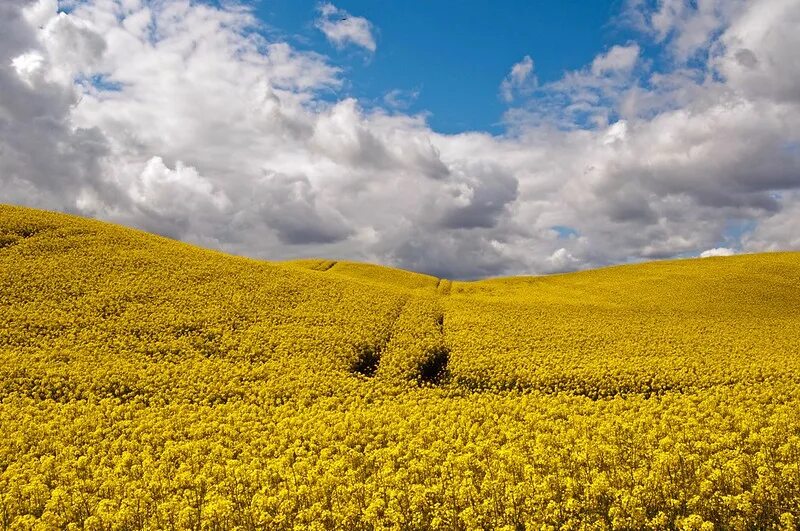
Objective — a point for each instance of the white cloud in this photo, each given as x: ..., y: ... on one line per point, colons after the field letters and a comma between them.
x: 718, y: 251
x: 341, y: 28
x: 38, y: 13
x: 27, y: 65
x: 400, y: 99
x: 580, y: 97
x: 179, y: 118
x: 780, y: 231
x: 45, y: 160
x: 617, y: 59
x: 687, y: 27
x: 169, y: 190
x: 562, y: 260
x: 759, y: 51
x: 520, y: 78
x: 617, y: 132
x: 73, y: 47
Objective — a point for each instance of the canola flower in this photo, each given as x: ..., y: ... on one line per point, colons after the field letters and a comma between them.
x: 150, y: 384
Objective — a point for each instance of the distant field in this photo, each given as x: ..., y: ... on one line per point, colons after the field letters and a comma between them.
x: 150, y: 384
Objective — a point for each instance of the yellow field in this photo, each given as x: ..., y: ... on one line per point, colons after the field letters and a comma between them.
x: 149, y: 384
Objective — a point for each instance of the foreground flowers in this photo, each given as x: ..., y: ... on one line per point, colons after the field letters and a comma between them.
x: 146, y: 383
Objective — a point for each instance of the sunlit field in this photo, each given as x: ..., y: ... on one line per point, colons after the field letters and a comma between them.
x: 151, y: 384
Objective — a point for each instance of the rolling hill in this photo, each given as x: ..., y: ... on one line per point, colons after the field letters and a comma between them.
x: 148, y: 383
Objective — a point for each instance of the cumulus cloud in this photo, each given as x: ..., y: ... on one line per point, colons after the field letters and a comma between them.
x: 182, y: 119
x: 290, y: 206
x: 45, y: 159
x: 778, y: 232
x: 759, y: 57
x: 341, y: 28
x: 520, y: 78
x: 479, y: 195
x: 718, y: 251
x: 582, y: 98
x: 617, y: 59
x: 561, y: 260
x: 688, y: 27
x: 27, y: 65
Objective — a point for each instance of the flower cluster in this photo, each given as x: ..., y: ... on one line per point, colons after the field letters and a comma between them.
x: 149, y: 384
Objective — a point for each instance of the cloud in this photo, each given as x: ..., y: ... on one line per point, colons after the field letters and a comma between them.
x: 478, y: 197
x: 182, y: 119
x: 38, y: 13
x: 718, y: 251
x: 341, y: 28
x: 400, y: 99
x: 520, y: 78
x: 27, y: 66
x: 780, y: 231
x: 687, y: 27
x: 617, y: 59
x: 561, y: 260
x: 758, y: 51
x: 73, y: 47
x: 291, y: 208
x: 582, y: 98
x: 45, y: 159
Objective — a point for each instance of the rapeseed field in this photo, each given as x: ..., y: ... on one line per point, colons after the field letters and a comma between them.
x: 150, y: 384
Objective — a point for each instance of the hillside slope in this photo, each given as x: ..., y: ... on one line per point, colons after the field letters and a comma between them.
x: 149, y: 383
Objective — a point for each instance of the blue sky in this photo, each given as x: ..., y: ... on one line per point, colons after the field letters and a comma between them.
x: 519, y: 138
x: 455, y: 56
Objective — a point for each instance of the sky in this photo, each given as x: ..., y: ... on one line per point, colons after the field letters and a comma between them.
x: 462, y: 140
x: 425, y: 49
